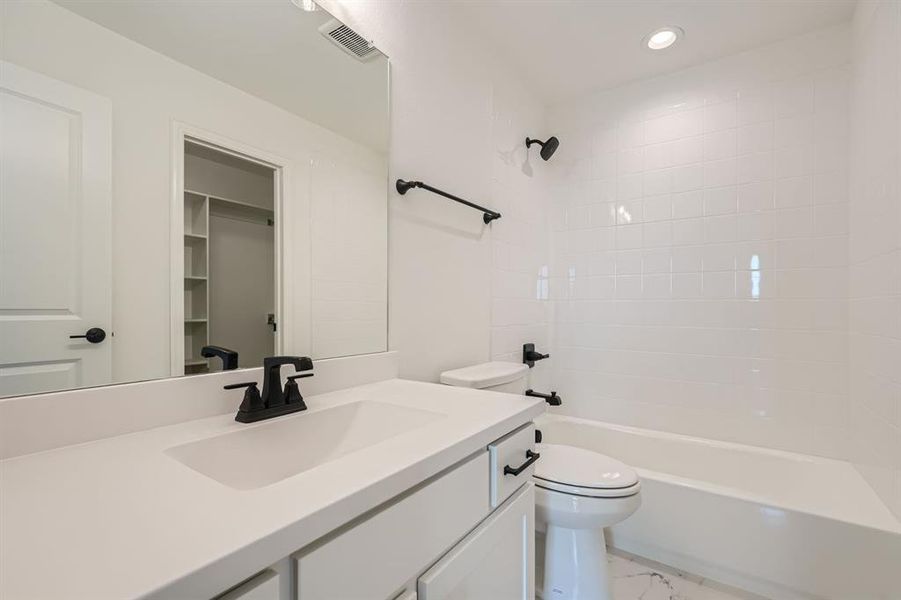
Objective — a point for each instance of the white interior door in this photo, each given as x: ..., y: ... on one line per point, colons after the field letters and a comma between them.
x: 496, y: 561
x: 55, y: 247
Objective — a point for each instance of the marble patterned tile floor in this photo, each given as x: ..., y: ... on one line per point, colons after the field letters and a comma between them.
x: 635, y: 578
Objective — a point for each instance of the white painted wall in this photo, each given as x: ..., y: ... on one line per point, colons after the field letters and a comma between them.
x: 700, y: 249
x: 875, y: 248
x: 148, y: 92
x: 457, y: 116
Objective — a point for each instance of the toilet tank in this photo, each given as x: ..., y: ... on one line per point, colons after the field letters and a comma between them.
x: 497, y: 376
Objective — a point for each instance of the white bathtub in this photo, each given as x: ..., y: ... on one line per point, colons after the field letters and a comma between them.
x: 775, y: 523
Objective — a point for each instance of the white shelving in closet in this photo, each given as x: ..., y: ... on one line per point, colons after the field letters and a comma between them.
x: 238, y: 209
x: 196, y: 283
x: 197, y: 265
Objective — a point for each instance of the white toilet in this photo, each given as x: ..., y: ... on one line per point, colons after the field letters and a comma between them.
x: 578, y: 493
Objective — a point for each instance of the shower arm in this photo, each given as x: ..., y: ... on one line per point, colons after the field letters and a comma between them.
x: 488, y: 215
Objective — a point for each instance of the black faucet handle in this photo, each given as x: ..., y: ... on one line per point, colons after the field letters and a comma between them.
x: 530, y: 356
x: 235, y: 386
x: 252, y: 400
x: 292, y: 395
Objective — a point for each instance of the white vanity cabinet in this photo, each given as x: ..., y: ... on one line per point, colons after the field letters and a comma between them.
x: 467, y: 533
x: 439, y: 541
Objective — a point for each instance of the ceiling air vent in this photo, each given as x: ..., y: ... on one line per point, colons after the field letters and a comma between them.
x: 348, y: 40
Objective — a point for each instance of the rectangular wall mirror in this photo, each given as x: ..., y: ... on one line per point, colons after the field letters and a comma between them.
x: 186, y: 187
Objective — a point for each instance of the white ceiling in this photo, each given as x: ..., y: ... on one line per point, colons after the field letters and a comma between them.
x: 268, y: 48
x: 564, y: 48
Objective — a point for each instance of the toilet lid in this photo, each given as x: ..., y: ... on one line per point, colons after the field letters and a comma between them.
x: 485, y: 375
x: 579, y: 468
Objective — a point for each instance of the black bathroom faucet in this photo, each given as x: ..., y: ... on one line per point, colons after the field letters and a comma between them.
x: 272, y: 376
x: 274, y: 402
x: 229, y: 357
x: 553, y: 399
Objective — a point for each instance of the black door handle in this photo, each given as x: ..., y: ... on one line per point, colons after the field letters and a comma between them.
x: 531, y: 457
x: 95, y: 335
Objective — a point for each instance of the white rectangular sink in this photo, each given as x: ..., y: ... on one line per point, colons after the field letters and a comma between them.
x: 270, y: 452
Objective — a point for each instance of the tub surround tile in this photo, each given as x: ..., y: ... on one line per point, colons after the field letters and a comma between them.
x: 875, y: 248
x: 737, y: 205
x: 520, y: 287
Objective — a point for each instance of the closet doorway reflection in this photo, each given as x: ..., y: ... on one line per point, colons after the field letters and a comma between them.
x: 229, y: 257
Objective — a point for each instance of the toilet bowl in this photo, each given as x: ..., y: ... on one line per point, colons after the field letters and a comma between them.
x: 577, y: 493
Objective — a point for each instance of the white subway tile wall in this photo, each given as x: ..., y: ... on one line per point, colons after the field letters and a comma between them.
x: 699, y: 249
x: 875, y: 249
x: 348, y: 292
x: 520, y: 285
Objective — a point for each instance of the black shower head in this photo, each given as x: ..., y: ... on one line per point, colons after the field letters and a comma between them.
x: 547, y: 148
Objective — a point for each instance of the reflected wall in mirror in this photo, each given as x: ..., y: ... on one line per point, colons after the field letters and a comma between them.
x: 182, y: 181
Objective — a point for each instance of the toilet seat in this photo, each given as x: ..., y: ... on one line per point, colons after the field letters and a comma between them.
x: 579, y: 493
x: 580, y: 472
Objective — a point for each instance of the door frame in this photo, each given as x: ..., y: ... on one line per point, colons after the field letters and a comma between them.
x: 282, y: 172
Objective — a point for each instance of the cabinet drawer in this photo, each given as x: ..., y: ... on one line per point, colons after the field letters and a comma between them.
x: 510, y: 451
x: 375, y: 558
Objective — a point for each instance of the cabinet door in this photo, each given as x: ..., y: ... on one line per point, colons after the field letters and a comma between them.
x: 494, y: 562
x: 376, y: 558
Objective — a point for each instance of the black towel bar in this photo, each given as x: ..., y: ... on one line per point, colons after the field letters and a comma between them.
x: 488, y: 215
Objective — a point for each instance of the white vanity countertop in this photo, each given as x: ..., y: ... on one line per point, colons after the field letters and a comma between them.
x: 121, y: 518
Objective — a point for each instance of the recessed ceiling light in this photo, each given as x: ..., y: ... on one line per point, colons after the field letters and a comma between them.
x: 663, y: 38
x: 307, y: 5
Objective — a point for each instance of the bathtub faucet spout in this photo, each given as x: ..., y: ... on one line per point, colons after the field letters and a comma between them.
x: 553, y: 399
